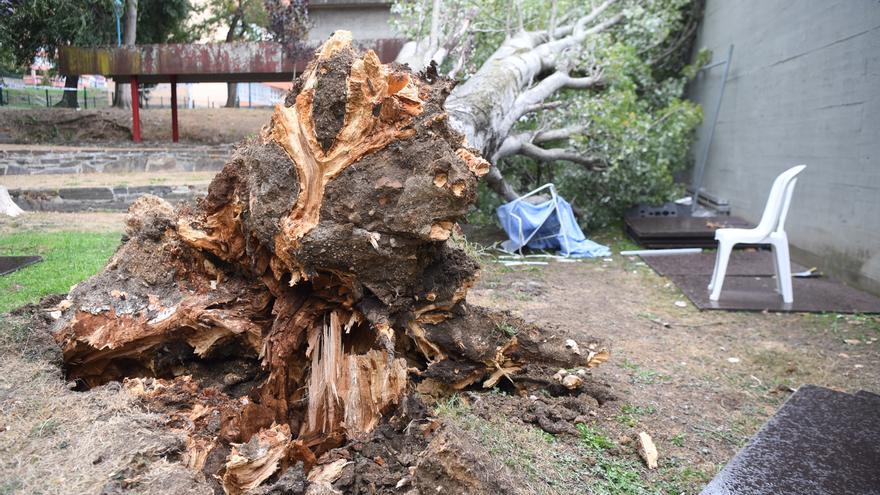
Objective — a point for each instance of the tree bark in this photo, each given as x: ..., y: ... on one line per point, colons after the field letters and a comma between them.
x: 232, y: 95
x: 69, y: 98
x: 232, y: 88
x: 321, y: 251
x: 122, y: 98
x: 7, y: 205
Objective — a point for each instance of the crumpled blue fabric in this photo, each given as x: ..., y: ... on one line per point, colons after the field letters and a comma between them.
x: 555, y: 225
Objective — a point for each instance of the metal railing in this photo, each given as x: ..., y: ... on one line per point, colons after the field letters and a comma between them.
x: 35, y: 97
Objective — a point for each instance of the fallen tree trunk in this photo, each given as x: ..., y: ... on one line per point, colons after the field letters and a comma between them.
x: 517, y: 79
x: 321, y: 251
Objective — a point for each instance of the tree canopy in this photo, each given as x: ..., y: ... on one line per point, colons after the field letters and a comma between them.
x: 618, y: 141
x: 242, y: 19
x: 28, y: 26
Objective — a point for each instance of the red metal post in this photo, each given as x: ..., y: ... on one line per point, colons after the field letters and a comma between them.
x: 135, y: 117
x: 174, y: 133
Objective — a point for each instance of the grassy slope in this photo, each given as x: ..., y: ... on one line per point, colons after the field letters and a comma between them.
x: 68, y: 258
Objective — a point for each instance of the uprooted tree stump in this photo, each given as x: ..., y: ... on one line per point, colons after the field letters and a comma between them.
x: 321, y: 251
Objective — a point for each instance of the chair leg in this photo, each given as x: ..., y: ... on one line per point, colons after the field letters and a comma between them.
x: 783, y: 263
x: 724, y: 250
x: 714, y: 270
x: 775, y: 253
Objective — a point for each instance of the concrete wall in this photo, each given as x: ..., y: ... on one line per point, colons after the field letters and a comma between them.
x: 366, y: 19
x: 26, y: 160
x: 804, y: 87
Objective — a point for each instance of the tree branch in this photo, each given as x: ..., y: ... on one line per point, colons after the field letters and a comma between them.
x: 547, y: 105
x: 513, y: 144
x: 551, y: 49
x: 559, y: 154
x: 543, y: 90
x: 557, y: 134
x: 566, y: 30
x: 497, y: 183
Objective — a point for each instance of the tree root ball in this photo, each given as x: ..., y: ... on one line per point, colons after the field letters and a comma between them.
x: 316, y: 278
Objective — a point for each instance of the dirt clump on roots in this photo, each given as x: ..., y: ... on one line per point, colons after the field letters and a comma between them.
x: 291, y: 323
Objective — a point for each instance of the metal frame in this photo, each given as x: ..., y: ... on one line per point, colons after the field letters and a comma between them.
x: 704, y: 156
x: 553, y: 197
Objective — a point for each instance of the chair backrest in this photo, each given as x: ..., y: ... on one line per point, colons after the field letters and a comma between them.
x: 776, y: 209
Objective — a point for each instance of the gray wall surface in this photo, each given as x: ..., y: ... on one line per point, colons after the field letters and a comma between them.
x: 804, y: 87
x: 366, y: 19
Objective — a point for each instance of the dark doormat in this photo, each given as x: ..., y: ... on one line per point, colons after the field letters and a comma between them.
x: 754, y: 263
x: 9, y: 264
x: 678, y: 231
x: 751, y: 286
x: 821, y: 442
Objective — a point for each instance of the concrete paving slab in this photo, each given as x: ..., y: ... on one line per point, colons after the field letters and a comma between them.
x: 821, y: 442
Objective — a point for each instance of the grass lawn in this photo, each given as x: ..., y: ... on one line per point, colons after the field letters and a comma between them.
x: 68, y: 258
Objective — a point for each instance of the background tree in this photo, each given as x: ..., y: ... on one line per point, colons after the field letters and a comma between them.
x: 27, y: 26
x: 129, y: 38
x: 153, y: 21
x: 585, y: 94
x: 243, y: 20
x: 30, y: 25
x: 288, y: 23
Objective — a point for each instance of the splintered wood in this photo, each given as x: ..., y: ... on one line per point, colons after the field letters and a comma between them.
x: 251, y: 463
x: 648, y: 450
x: 371, y: 85
x: 316, y: 275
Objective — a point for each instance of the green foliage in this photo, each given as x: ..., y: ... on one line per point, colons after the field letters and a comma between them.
x: 7, y: 61
x: 678, y: 440
x: 507, y: 329
x: 45, y: 428
x: 452, y: 407
x: 29, y: 26
x: 165, y: 21
x: 288, y: 22
x: 241, y: 19
x: 68, y: 258
x: 630, y: 414
x: 620, y: 477
x: 593, y: 438
x: 641, y: 376
x: 639, y: 124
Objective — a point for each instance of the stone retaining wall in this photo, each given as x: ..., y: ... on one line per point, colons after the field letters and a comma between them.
x: 18, y: 160
x: 98, y: 198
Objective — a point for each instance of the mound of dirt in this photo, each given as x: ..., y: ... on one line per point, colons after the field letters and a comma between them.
x: 64, y: 126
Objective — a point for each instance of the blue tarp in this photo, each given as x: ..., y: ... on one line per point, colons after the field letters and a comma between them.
x: 548, y: 225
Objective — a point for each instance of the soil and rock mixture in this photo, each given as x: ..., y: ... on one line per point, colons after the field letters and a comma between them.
x: 701, y: 383
x: 316, y: 325
x: 295, y: 326
x: 415, y: 449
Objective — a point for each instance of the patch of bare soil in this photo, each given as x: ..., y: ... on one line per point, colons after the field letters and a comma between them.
x: 50, y: 221
x: 132, y: 179
x: 699, y: 383
x: 54, y: 440
x: 68, y: 126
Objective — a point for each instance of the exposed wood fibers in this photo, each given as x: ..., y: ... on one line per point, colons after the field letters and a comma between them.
x: 332, y: 366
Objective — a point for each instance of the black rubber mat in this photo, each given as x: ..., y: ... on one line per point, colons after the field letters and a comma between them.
x: 821, y: 442
x: 9, y: 264
x: 750, y: 287
x: 755, y: 263
x: 678, y: 231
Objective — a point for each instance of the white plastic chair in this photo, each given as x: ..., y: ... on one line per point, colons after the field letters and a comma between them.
x: 770, y: 231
